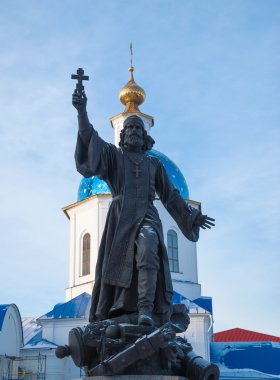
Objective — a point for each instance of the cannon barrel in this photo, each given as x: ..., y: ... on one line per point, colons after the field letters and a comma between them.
x: 197, y: 368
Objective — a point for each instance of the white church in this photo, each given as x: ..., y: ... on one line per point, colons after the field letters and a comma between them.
x: 30, y: 353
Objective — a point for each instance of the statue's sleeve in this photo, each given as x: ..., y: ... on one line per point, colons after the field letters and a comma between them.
x: 178, y: 208
x: 93, y: 155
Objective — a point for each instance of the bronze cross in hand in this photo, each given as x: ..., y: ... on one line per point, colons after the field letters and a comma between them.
x: 80, y: 77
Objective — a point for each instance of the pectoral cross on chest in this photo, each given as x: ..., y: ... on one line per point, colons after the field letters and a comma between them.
x: 137, y: 171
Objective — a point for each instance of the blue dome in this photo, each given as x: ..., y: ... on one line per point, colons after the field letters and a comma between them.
x: 94, y: 186
x: 174, y: 173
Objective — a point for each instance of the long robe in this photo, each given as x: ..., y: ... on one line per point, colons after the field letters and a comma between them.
x: 115, y: 287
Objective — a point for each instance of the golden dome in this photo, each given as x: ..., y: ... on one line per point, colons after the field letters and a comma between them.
x: 132, y: 95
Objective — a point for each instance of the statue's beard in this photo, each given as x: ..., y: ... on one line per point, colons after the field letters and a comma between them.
x: 134, y: 141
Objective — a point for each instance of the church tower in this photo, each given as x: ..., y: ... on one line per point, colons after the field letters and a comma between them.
x: 88, y: 215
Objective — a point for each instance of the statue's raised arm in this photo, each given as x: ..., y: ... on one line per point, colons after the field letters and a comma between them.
x: 79, y: 101
x: 92, y: 154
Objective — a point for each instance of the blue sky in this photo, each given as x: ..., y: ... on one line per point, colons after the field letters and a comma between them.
x: 210, y: 70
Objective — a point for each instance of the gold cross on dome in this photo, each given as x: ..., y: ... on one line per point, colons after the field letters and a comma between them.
x: 131, y: 53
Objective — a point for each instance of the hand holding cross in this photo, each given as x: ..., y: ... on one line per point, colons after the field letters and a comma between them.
x: 79, y: 99
x: 80, y: 77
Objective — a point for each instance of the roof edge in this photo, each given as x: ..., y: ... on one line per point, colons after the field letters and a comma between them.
x: 72, y: 205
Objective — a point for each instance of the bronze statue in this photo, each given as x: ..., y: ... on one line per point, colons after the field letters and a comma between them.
x: 133, y: 323
x: 132, y: 271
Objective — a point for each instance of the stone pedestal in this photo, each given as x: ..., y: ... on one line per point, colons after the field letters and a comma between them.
x: 134, y: 377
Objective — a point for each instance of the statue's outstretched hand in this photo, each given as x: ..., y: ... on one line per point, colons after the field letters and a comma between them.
x: 204, y: 221
x: 79, y: 101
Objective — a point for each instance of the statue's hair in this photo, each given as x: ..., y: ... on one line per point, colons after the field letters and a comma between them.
x: 148, y: 140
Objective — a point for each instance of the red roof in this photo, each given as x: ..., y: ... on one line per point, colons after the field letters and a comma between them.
x: 241, y: 335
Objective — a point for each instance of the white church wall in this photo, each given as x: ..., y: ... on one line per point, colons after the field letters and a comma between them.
x: 187, y: 257
x: 117, y: 124
x: 77, y: 290
x: 70, y: 370
x: 199, y: 333
x: 88, y: 216
x: 187, y: 289
x: 57, y: 330
x: 104, y: 203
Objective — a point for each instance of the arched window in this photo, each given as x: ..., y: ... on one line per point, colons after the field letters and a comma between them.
x: 86, y: 255
x: 172, y: 250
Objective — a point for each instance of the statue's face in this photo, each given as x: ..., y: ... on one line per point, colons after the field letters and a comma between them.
x: 134, y: 136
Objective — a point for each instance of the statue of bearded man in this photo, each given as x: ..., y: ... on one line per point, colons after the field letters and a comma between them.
x: 132, y: 270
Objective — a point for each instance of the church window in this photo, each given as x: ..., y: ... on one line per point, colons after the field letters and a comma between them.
x: 172, y: 249
x: 86, y: 255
